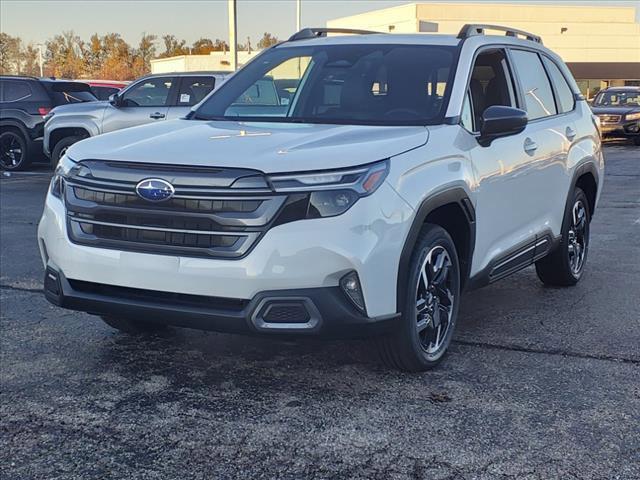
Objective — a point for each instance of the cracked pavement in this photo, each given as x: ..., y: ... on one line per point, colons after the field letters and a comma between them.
x: 540, y: 383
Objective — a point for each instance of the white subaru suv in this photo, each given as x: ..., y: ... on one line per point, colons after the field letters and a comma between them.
x: 336, y: 185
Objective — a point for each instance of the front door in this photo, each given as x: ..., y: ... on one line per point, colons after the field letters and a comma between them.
x: 144, y: 102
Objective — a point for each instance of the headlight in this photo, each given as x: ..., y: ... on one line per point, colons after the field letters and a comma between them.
x: 64, y: 168
x: 632, y: 116
x: 332, y: 192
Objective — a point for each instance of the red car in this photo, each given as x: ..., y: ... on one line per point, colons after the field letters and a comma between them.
x: 103, y: 89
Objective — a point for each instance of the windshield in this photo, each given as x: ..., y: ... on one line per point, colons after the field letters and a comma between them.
x: 344, y: 84
x: 618, y: 99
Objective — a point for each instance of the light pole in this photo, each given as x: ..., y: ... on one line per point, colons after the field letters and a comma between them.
x: 40, y: 59
x: 233, y: 25
x: 298, y: 12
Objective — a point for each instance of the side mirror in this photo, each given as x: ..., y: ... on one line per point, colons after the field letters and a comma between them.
x: 500, y: 121
x: 115, y: 99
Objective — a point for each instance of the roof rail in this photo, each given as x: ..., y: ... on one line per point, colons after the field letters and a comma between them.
x: 307, y: 33
x: 472, y: 29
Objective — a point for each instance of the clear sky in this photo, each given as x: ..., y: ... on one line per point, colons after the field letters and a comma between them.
x: 36, y: 20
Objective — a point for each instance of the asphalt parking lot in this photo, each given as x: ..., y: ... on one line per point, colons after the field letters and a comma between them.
x: 540, y: 383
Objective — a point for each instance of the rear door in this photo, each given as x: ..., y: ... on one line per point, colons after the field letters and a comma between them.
x: 551, y: 130
x: 191, y: 90
x: 143, y: 102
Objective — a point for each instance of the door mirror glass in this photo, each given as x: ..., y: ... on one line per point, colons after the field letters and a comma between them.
x: 114, y: 99
x: 500, y: 121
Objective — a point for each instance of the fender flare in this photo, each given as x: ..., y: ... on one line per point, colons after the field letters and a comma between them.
x: 586, y: 167
x: 9, y: 122
x: 457, y: 195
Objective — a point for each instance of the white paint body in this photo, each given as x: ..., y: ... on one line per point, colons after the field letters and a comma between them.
x: 516, y: 195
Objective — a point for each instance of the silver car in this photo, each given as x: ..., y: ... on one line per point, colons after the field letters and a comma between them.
x: 152, y: 98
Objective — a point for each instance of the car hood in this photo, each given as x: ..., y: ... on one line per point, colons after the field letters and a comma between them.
x: 82, y: 107
x: 266, y: 146
x: 614, y: 110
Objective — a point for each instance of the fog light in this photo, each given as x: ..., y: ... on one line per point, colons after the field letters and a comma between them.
x: 350, y: 285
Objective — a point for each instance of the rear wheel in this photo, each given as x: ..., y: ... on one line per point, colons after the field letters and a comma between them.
x: 430, y: 308
x: 61, y: 147
x: 565, y: 266
x: 130, y: 326
x: 14, y: 151
x: 636, y: 141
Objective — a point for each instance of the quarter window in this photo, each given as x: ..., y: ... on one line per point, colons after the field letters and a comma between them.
x: 13, y: 91
x: 566, y: 100
x: 538, y: 95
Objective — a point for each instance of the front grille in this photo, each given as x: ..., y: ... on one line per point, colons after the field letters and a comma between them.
x: 208, y: 216
x: 609, y: 118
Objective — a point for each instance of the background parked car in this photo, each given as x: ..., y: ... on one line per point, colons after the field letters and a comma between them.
x: 619, y: 111
x: 24, y: 102
x: 103, y: 89
x: 149, y: 99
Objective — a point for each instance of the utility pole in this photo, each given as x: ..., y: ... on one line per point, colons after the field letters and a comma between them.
x: 233, y: 26
x: 298, y: 15
x: 40, y: 60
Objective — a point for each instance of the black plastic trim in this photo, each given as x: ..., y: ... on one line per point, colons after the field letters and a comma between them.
x: 455, y: 195
x: 333, y: 315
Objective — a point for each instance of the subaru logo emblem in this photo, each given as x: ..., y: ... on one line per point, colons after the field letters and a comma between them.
x: 155, y: 190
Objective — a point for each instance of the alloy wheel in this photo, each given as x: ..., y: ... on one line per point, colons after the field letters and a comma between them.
x: 434, y: 299
x: 577, y: 237
x: 11, y: 151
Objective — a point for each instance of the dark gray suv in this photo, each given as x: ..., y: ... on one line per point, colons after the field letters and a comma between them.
x: 618, y: 109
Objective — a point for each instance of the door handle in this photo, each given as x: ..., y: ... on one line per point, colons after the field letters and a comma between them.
x: 157, y: 115
x: 570, y: 133
x: 530, y: 146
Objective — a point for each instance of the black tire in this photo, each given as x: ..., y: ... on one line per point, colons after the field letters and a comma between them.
x: 14, y: 151
x: 61, y: 147
x: 408, y: 349
x: 133, y: 327
x: 636, y: 141
x: 560, y: 268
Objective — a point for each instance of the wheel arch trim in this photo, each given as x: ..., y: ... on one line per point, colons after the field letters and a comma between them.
x: 452, y: 195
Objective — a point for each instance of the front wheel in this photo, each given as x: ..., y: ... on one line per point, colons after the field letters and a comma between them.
x: 60, y: 149
x: 565, y: 266
x: 430, y: 308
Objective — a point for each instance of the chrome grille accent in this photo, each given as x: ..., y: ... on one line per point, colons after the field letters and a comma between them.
x: 610, y: 118
x: 223, y: 221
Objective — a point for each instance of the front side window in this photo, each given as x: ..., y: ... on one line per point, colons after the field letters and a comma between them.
x: 13, y: 91
x: 152, y: 92
x: 537, y: 92
x: 344, y: 84
x: 566, y: 100
x: 194, y: 89
x: 618, y: 98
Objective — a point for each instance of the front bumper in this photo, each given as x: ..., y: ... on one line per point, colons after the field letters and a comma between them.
x: 313, y: 311
x: 621, y: 130
x: 297, y: 258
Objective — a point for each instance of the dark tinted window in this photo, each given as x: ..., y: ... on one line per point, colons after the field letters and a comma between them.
x: 152, y: 92
x: 13, y: 91
x: 62, y: 92
x: 617, y: 98
x: 103, y: 93
x: 537, y: 92
x: 565, y: 98
x: 194, y: 89
x: 349, y: 84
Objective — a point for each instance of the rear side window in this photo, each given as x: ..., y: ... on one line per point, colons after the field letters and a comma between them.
x: 565, y: 100
x: 13, y: 91
x: 537, y: 92
x: 194, y: 89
